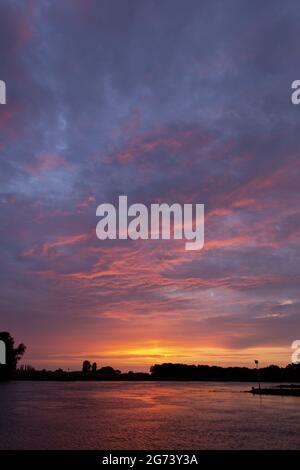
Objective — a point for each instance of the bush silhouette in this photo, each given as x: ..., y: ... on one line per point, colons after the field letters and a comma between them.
x: 12, y: 354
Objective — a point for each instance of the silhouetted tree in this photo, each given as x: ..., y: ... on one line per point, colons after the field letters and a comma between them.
x: 109, y: 370
x: 94, y: 367
x: 86, y: 366
x: 12, y: 354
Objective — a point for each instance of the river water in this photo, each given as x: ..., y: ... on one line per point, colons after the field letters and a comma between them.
x: 145, y: 415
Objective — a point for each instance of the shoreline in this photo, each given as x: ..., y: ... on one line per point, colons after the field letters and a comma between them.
x: 142, y: 379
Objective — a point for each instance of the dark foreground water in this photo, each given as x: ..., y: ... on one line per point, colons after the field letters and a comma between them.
x: 140, y: 415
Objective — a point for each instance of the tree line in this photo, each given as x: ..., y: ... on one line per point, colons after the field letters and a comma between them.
x: 166, y: 371
x: 88, y: 367
x: 272, y: 373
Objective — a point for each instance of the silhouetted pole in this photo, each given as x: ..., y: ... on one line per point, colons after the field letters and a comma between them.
x: 256, y: 363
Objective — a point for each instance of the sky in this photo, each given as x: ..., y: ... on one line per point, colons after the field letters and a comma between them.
x: 162, y: 101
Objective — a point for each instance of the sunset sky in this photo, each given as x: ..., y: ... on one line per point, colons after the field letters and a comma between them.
x: 163, y: 101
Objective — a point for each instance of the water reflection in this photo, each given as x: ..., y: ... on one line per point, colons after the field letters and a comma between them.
x: 142, y: 415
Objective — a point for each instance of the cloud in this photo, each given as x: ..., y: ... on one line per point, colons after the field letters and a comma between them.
x: 165, y: 103
x: 45, y: 163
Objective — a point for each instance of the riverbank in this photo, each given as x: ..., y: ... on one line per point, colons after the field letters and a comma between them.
x: 123, y: 377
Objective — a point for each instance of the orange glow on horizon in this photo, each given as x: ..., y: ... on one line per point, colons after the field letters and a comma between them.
x: 141, y: 357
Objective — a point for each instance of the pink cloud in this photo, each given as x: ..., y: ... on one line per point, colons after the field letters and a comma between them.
x: 45, y: 163
x: 68, y: 240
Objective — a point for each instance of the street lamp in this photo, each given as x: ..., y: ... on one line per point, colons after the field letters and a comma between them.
x: 256, y: 363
